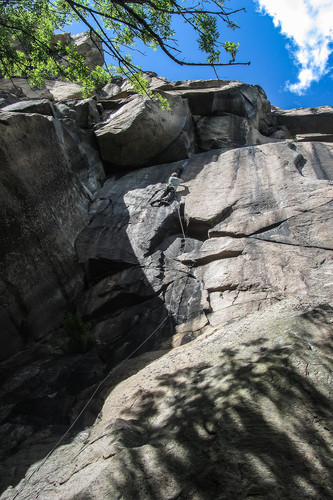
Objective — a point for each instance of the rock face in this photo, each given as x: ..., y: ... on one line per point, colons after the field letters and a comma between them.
x: 48, y: 172
x: 6, y: 98
x: 310, y: 123
x: 128, y: 251
x: 204, y: 116
x: 141, y: 132
x: 90, y: 49
x: 223, y: 297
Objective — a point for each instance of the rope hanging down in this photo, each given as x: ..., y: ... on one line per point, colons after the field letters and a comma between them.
x: 105, y: 378
x: 180, y: 220
x: 25, y: 482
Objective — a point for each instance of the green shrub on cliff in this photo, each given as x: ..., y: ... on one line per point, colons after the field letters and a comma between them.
x: 80, y: 339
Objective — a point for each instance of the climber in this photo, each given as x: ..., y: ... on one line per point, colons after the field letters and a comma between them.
x: 170, y: 191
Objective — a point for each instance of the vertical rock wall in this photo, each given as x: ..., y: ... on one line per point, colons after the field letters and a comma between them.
x: 241, y: 406
x: 46, y: 179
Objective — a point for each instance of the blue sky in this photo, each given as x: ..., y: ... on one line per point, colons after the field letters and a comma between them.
x: 289, y: 44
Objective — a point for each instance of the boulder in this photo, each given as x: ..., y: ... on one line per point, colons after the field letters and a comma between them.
x: 141, y: 131
x: 157, y: 83
x: 62, y: 90
x: 306, y: 120
x: 119, y: 88
x: 21, y: 88
x: 112, y: 90
x: 40, y: 106
x: 235, y: 98
x: 53, y: 90
x: 90, y: 49
x: 6, y: 98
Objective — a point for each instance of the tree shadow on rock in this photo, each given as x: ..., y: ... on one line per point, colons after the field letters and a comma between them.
x: 253, y: 426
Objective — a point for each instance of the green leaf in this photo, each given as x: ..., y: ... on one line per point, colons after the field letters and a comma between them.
x: 27, y: 28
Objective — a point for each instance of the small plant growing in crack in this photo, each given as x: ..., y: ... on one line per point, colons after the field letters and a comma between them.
x: 80, y: 338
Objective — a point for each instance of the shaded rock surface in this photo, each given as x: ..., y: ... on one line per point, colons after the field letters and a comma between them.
x: 229, y: 395
x: 306, y: 120
x: 46, y: 185
x: 40, y: 106
x: 7, y: 98
x: 243, y: 413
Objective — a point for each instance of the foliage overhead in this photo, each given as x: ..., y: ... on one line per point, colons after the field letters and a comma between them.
x: 27, y: 28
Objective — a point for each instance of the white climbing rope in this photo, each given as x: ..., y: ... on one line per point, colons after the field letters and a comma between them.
x: 180, y: 220
x: 111, y: 372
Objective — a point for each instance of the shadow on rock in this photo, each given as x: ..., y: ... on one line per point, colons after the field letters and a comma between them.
x: 256, y: 425
x: 134, y: 296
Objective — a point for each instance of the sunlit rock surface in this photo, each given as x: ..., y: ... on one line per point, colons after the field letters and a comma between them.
x: 212, y: 316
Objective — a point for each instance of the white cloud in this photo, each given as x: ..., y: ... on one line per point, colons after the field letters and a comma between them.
x: 309, y: 24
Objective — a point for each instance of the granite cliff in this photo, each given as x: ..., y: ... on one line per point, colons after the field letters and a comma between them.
x: 224, y: 296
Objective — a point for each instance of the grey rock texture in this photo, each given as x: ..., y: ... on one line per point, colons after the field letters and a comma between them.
x: 220, y: 131
x: 7, y: 98
x: 91, y: 50
x: 48, y: 170
x: 239, y: 412
x: 21, y: 89
x: 204, y: 115
x: 40, y: 106
x: 128, y: 252
x: 259, y: 187
x: 141, y: 131
x: 236, y: 98
x: 53, y: 90
x: 306, y: 120
x: 214, y: 346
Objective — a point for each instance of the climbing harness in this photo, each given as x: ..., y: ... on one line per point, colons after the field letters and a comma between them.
x: 171, y: 188
x: 111, y: 372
